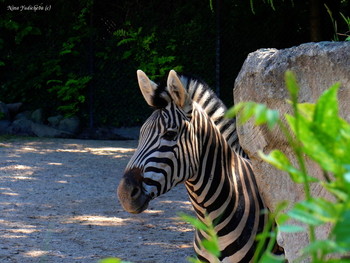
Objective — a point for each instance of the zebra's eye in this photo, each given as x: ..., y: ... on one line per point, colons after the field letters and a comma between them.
x: 169, y: 135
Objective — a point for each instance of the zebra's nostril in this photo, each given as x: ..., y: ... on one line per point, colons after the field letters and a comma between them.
x: 135, y: 192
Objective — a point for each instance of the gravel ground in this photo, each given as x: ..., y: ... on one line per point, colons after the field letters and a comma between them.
x: 58, y: 204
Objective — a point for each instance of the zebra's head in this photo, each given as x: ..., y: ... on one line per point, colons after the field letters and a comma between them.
x: 165, y: 154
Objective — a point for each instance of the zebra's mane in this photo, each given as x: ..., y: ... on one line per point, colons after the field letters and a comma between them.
x: 202, y: 94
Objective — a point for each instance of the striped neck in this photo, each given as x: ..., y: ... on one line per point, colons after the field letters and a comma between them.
x: 202, y: 94
x: 224, y: 189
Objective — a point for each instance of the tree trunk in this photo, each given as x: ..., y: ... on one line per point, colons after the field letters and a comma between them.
x: 315, y: 21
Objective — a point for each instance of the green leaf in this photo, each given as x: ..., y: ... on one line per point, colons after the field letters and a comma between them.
x: 326, y: 111
x: 291, y: 228
x: 272, y: 117
x: 326, y: 246
x: 282, y: 218
x: 314, y: 212
x: 211, y: 246
x: 193, y: 221
x: 292, y: 85
x: 268, y: 257
x: 194, y: 260
x: 247, y: 112
x: 112, y: 260
x: 341, y: 230
x: 312, y: 145
x: 260, y: 114
x: 55, y: 81
x: 233, y: 111
x: 306, y: 110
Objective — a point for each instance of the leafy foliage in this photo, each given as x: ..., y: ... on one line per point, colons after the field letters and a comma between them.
x: 142, y: 49
x: 108, y: 41
x: 319, y: 133
x: 70, y: 93
x: 113, y: 260
x: 211, y: 244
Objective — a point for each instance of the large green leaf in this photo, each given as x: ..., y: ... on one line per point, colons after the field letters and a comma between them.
x: 313, y: 146
x: 341, y: 230
x: 292, y: 85
x: 315, y: 211
x: 326, y: 116
x: 268, y: 257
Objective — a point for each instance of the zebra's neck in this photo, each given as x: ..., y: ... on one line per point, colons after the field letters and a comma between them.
x: 202, y: 94
x: 224, y: 189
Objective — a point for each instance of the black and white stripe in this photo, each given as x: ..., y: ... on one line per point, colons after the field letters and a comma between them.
x: 201, y: 93
x: 183, y: 142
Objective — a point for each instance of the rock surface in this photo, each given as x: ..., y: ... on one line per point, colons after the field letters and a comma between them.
x: 317, y: 66
x: 33, y: 123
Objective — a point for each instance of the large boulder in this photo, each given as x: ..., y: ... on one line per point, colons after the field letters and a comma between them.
x: 71, y: 125
x: 42, y: 130
x: 5, y: 127
x: 54, y: 121
x: 317, y: 66
x: 21, y: 127
x: 14, y: 108
x: 37, y: 116
x: 4, y: 112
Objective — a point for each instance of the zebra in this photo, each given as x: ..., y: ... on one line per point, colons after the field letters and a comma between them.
x: 185, y: 140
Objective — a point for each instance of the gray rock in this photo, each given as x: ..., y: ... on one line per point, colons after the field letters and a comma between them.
x: 5, y: 127
x: 21, y: 127
x: 37, y: 116
x: 4, y: 112
x: 23, y: 115
x: 42, y: 130
x: 317, y: 66
x: 71, y: 125
x: 54, y: 121
x: 13, y: 108
x: 128, y: 132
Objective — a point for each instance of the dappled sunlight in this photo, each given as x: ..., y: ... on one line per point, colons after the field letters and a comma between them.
x: 57, y: 164
x: 153, y: 212
x: 20, y: 172
x: 22, y: 177
x: 16, y: 229
x: 61, y: 182
x: 35, y: 253
x: 16, y: 225
x: 168, y: 245
x: 19, y: 233
x: 110, y: 151
x: 8, y: 193
x: 96, y: 220
x: 72, y: 150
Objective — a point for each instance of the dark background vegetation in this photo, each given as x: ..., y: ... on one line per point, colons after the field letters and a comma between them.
x: 80, y: 57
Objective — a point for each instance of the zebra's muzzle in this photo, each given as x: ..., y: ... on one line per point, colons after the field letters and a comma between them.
x: 130, y: 192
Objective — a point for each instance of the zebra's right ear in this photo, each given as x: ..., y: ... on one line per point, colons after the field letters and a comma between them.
x: 147, y: 87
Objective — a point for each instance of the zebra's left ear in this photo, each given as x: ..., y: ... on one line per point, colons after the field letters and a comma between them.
x: 176, y: 89
x: 147, y: 87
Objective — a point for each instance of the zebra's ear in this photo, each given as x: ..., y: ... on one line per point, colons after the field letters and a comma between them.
x: 176, y: 89
x: 147, y: 87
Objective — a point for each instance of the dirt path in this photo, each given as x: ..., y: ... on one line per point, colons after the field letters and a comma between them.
x: 58, y: 204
